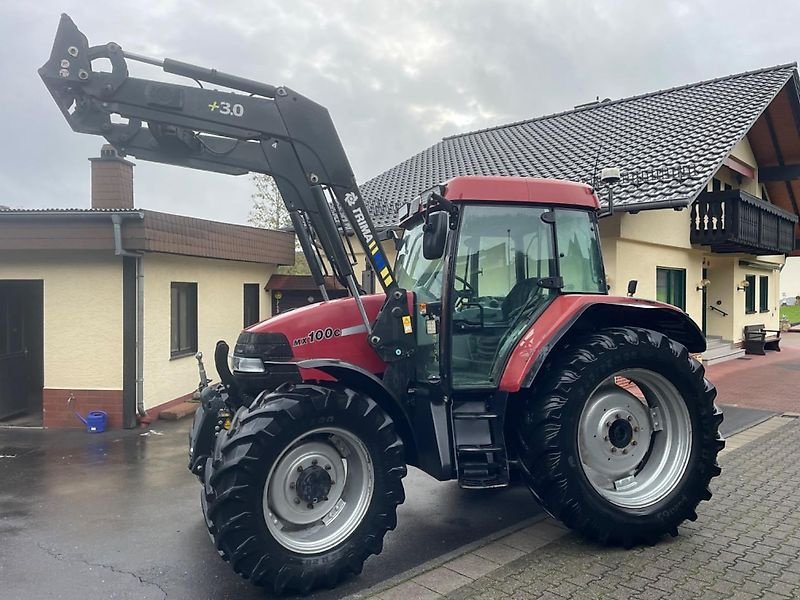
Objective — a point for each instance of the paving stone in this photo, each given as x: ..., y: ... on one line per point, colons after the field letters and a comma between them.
x: 409, y: 591
x: 472, y: 565
x: 442, y: 580
x: 499, y: 553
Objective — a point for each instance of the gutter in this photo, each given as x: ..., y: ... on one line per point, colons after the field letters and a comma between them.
x: 677, y: 204
x: 116, y: 220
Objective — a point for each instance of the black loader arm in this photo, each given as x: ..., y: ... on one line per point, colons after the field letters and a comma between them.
x: 267, y: 129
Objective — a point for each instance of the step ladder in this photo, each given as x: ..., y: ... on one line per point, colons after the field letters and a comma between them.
x: 481, y: 458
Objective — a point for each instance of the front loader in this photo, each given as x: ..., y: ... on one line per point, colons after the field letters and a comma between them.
x: 493, y: 350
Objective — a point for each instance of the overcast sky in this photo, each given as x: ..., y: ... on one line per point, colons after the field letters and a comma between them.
x: 396, y: 75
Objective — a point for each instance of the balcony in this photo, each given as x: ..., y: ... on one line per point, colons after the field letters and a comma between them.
x: 735, y: 221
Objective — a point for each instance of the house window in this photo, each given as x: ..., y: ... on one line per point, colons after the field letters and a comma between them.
x: 750, y: 294
x: 251, y: 304
x: 763, y: 293
x: 184, y: 319
x: 671, y: 286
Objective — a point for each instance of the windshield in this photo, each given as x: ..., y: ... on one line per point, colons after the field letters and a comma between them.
x: 416, y: 273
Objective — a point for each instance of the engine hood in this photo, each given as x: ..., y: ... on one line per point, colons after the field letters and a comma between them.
x: 331, y: 329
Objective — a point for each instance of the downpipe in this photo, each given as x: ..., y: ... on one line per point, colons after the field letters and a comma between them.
x: 116, y: 220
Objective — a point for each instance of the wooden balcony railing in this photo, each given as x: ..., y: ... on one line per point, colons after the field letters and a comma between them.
x: 735, y: 221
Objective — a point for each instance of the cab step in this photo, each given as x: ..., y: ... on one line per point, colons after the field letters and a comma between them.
x: 481, y: 459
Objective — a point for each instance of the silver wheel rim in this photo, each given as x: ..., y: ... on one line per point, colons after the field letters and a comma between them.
x: 319, y: 490
x: 634, y: 451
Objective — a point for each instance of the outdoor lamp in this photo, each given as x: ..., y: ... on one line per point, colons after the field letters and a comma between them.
x: 704, y: 283
x: 743, y: 285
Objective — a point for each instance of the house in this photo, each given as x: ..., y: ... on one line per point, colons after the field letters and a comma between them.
x: 707, y: 207
x: 109, y: 304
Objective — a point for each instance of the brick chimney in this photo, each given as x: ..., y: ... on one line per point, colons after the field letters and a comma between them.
x: 112, y: 180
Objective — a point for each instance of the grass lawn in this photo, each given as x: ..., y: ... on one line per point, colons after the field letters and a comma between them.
x: 792, y: 313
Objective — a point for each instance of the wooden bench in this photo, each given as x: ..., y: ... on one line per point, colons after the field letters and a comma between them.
x: 756, y: 340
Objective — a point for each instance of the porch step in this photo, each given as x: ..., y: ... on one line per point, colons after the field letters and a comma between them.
x: 719, y: 350
x: 179, y: 411
x: 714, y: 342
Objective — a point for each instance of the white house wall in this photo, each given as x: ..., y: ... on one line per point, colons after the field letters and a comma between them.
x: 220, y: 308
x: 790, y: 278
x: 82, y: 315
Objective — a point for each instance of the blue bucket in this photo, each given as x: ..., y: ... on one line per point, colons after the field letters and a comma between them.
x: 95, y: 421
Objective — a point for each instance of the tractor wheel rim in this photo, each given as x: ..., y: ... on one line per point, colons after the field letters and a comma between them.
x: 319, y: 490
x: 634, y: 451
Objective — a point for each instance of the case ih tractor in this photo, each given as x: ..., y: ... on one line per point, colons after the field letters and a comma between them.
x: 492, y: 354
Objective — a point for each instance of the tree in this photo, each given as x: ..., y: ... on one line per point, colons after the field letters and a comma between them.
x: 268, y: 210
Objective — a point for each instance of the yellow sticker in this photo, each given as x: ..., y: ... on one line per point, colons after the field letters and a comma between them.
x: 407, y: 324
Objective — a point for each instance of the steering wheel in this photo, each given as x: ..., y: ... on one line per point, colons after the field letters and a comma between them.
x: 463, y: 296
x: 467, y: 287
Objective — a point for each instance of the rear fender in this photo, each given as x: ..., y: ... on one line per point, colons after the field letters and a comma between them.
x: 362, y: 380
x: 572, y: 316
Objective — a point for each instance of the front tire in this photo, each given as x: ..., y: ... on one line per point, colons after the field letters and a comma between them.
x: 620, y: 438
x: 305, y: 486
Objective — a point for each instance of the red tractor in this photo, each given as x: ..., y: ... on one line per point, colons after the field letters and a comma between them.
x: 494, y: 352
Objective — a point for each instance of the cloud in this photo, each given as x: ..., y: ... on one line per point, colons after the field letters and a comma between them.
x: 396, y: 76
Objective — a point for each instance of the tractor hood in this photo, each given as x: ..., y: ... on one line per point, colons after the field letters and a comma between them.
x: 331, y: 329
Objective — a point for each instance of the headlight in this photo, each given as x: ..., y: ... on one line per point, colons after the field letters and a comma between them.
x: 247, y: 365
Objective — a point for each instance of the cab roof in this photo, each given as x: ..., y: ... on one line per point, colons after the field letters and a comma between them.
x: 524, y: 190
x: 520, y: 189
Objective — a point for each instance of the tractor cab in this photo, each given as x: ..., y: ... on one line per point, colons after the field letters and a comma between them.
x: 484, y: 256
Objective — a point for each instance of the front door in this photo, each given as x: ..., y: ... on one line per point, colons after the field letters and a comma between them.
x: 21, y: 351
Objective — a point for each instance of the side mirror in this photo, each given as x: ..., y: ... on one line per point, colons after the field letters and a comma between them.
x: 632, y: 284
x: 435, y: 235
x: 396, y: 238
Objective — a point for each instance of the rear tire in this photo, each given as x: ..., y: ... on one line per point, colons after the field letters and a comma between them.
x: 621, y: 469
x: 332, y: 446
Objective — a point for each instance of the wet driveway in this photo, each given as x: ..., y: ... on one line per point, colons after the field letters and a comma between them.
x: 116, y: 515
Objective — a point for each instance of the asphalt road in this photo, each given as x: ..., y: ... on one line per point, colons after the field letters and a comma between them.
x: 116, y: 515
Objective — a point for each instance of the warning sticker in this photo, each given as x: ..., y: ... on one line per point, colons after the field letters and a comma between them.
x: 430, y: 326
x: 407, y: 324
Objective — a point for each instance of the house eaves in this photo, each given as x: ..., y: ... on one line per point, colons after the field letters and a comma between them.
x: 142, y: 231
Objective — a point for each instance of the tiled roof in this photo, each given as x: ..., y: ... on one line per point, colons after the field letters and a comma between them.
x: 687, y: 131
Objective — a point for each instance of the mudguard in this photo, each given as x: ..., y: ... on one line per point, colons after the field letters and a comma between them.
x: 360, y: 379
x: 573, y: 314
